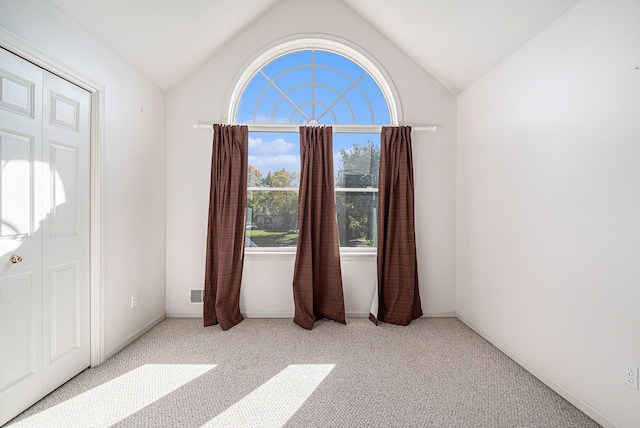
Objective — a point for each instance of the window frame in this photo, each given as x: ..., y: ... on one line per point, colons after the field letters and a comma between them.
x: 337, y: 47
x: 334, y: 46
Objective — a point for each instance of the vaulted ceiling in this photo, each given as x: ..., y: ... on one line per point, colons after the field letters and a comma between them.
x: 456, y: 41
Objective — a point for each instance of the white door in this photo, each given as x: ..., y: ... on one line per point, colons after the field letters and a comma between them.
x: 20, y: 234
x: 44, y: 234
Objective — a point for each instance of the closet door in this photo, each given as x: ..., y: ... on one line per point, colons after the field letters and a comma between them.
x: 44, y: 234
x: 20, y: 234
x: 65, y: 231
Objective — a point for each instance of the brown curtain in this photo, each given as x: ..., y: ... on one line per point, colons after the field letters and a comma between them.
x: 397, y: 300
x: 225, y: 240
x: 317, y: 279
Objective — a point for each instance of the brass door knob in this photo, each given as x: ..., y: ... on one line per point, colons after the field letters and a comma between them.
x: 15, y: 259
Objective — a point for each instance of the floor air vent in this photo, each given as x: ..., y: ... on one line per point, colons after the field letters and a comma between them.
x: 197, y: 296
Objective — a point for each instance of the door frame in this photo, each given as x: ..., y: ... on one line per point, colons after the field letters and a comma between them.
x: 37, y: 56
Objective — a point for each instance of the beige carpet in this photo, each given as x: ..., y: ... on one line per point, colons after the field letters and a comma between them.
x: 270, y: 372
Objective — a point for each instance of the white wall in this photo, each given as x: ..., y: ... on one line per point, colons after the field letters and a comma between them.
x: 548, y: 239
x: 135, y: 165
x: 266, y: 289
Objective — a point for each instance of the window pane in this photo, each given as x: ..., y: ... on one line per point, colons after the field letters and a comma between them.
x: 274, y: 159
x: 356, y: 160
x: 376, y: 101
x: 272, y: 218
x: 312, y: 86
x: 287, y: 62
x: 329, y: 59
x: 248, y: 102
x: 357, y: 218
x: 356, y: 163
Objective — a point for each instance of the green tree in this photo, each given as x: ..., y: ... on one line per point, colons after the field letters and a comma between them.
x: 255, y: 177
x: 255, y: 199
x: 282, y: 205
x: 357, y: 210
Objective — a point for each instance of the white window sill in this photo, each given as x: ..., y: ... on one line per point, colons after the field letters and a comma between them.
x: 290, y: 252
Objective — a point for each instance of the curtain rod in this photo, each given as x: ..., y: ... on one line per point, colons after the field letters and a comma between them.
x: 281, y: 127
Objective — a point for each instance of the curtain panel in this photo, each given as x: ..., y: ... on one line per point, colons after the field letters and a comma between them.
x: 397, y: 298
x: 317, y: 278
x: 226, y: 229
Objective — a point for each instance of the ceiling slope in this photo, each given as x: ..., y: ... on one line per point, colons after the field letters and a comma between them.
x: 456, y: 41
x: 164, y: 39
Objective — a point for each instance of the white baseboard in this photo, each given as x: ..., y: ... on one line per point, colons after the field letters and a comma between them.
x: 453, y: 314
x: 184, y: 314
x: 354, y: 314
x: 565, y: 393
x: 290, y: 315
x: 244, y: 314
x: 268, y: 315
x: 133, y: 337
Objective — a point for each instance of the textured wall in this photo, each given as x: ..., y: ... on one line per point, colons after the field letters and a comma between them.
x: 549, y: 201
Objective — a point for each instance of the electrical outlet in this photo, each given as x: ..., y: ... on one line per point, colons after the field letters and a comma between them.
x: 631, y: 375
x: 134, y: 300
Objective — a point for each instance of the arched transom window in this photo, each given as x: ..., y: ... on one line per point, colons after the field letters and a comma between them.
x: 312, y: 82
x: 313, y: 86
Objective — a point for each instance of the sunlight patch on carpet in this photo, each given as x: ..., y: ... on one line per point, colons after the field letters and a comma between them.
x: 273, y: 403
x: 119, y: 398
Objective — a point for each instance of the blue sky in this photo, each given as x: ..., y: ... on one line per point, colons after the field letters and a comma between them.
x: 271, y: 151
x: 319, y: 87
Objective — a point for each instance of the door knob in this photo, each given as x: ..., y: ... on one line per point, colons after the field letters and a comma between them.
x: 15, y: 259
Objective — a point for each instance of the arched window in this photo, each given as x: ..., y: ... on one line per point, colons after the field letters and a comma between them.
x: 312, y: 82
x: 313, y: 87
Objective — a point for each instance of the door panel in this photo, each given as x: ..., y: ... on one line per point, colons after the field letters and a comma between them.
x: 64, y: 189
x: 66, y: 154
x: 20, y: 236
x: 18, y: 327
x: 44, y: 210
x: 65, y: 310
x: 17, y: 185
x: 17, y: 94
x: 65, y: 112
